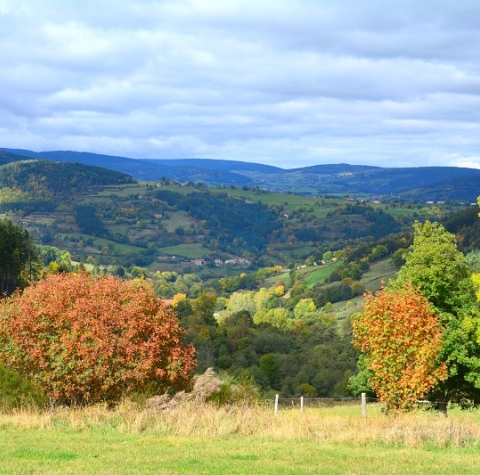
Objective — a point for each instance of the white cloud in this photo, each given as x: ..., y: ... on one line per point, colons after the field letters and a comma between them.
x: 285, y: 82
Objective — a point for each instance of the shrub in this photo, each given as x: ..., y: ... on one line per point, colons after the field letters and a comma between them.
x: 83, y: 339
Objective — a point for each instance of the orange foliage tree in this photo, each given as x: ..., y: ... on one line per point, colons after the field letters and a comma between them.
x: 84, y: 339
x: 401, y: 337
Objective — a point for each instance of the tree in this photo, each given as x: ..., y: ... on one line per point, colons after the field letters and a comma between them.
x: 438, y: 269
x: 19, y: 259
x: 83, y: 339
x: 400, y: 336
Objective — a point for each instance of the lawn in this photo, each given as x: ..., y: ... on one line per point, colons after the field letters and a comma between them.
x: 238, y: 441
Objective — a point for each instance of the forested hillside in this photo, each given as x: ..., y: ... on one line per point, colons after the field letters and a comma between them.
x: 43, y: 184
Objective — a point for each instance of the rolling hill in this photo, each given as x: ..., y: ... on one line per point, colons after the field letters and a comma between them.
x: 422, y: 183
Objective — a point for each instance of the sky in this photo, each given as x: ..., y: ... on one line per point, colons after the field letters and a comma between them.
x: 287, y: 82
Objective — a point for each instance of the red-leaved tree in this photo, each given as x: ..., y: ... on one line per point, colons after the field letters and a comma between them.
x: 84, y: 339
x: 401, y: 338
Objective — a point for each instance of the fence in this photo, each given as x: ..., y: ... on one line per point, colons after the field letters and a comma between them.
x: 301, y: 403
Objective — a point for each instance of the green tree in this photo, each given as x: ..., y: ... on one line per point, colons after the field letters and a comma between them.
x: 438, y: 269
x: 19, y: 258
x: 276, y: 317
x: 269, y: 365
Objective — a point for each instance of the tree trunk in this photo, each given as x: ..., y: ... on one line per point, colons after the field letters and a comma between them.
x: 442, y: 404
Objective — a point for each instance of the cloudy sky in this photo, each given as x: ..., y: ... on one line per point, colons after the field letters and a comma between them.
x: 289, y: 83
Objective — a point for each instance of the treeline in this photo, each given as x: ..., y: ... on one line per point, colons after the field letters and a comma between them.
x: 233, y: 224
x: 89, y: 222
x: 19, y: 259
x: 380, y: 224
x: 466, y: 226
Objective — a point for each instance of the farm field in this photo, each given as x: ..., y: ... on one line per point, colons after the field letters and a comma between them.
x: 379, y: 272
x: 238, y: 441
x: 319, y: 274
x: 189, y: 251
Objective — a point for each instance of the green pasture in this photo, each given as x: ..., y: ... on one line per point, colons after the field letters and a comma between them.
x: 64, y: 451
x: 320, y: 273
x: 123, y: 191
x: 177, y: 219
x: 190, y: 251
x: 379, y: 274
x: 119, y: 248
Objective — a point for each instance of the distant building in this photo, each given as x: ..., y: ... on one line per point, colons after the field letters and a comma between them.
x: 239, y: 260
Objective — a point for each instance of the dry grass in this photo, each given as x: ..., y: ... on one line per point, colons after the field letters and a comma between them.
x: 343, y: 425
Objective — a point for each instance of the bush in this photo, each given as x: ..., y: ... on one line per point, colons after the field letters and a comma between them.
x: 83, y: 339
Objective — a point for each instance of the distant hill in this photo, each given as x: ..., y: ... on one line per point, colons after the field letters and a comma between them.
x: 31, y: 184
x: 57, y: 177
x: 422, y: 183
x: 6, y: 157
x: 334, y: 169
x: 219, y: 165
x: 210, y: 171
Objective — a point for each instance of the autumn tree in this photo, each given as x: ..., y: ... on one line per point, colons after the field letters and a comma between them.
x: 84, y: 339
x: 400, y: 337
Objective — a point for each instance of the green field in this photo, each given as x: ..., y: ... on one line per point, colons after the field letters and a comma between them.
x: 379, y: 274
x: 211, y: 440
x: 178, y: 219
x: 319, y: 274
x: 189, y: 251
x: 63, y: 452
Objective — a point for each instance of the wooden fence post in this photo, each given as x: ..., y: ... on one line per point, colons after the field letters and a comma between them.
x: 301, y: 404
x: 364, y: 405
x: 276, y: 403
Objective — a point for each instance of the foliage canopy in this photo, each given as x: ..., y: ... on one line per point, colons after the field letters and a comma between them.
x: 400, y: 336
x: 83, y: 339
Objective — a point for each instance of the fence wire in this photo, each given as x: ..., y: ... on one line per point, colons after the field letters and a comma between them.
x: 313, y: 402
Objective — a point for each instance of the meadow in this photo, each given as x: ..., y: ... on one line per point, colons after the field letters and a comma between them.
x: 206, y: 439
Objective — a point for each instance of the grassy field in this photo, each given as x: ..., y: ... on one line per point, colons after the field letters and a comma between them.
x: 190, y: 251
x: 119, y: 248
x: 379, y: 272
x: 319, y: 274
x: 204, y: 439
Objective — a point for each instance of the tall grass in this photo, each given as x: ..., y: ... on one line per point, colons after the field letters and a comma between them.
x: 344, y: 425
